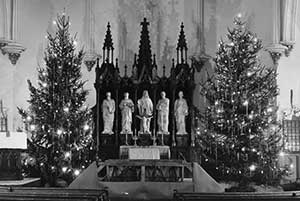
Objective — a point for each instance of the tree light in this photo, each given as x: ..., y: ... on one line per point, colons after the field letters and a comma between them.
x: 86, y: 127
x: 64, y: 169
x: 245, y: 103
x: 28, y: 118
x: 59, y: 131
x: 67, y: 154
x: 252, y: 167
x: 66, y: 109
x: 32, y: 127
x: 76, y: 172
x: 281, y: 153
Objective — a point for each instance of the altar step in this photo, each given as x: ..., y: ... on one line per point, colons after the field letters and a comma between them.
x: 26, y: 182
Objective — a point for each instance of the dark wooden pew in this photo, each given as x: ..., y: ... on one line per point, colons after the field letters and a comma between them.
x: 257, y: 196
x: 49, y: 194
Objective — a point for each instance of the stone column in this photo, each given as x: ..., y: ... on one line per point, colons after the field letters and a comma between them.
x: 89, y: 20
x: 276, y: 49
x: 288, y: 24
x: 9, y: 43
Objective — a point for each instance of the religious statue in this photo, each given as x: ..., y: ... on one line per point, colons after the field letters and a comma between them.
x: 145, y: 108
x: 108, y: 114
x: 127, y: 108
x: 180, y: 111
x: 163, y: 114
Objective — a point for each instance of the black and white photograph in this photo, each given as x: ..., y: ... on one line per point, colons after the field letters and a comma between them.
x: 149, y: 100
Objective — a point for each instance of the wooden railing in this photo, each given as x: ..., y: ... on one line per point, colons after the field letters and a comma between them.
x: 257, y: 196
x: 49, y: 194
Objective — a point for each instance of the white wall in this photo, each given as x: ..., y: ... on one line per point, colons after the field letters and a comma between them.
x: 36, y: 16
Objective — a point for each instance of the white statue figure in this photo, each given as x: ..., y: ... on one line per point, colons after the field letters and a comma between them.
x: 145, y: 107
x: 108, y: 113
x: 163, y: 114
x: 180, y: 111
x: 127, y: 108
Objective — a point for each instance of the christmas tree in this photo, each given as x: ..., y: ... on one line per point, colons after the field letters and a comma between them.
x: 240, y: 139
x: 58, y: 119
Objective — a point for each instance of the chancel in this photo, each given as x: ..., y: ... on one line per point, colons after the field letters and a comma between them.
x: 149, y: 99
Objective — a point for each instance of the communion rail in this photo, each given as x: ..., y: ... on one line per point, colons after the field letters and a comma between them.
x: 49, y: 194
x: 242, y: 196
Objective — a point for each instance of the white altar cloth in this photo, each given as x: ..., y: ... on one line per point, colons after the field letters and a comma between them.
x: 15, y: 140
x: 143, y: 153
x: 147, y: 152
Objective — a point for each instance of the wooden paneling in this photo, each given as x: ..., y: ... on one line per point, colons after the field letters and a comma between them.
x: 28, y: 193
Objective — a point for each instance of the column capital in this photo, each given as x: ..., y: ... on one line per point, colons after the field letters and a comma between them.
x: 276, y: 51
x: 289, y: 45
x: 90, y: 59
x: 13, y: 50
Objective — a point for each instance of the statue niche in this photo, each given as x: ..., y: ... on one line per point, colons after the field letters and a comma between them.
x: 158, y: 110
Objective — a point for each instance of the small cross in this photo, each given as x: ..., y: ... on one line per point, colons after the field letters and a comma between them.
x: 182, y: 26
x: 145, y: 23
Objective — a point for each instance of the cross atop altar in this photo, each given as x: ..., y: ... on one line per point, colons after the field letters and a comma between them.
x: 144, y: 109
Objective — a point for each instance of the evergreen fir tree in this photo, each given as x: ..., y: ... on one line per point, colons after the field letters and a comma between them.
x: 241, y: 139
x: 57, y: 118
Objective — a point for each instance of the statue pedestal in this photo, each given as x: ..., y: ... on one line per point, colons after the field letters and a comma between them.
x: 182, y: 140
x: 145, y: 153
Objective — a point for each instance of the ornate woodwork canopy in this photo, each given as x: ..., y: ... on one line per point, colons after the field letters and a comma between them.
x: 144, y: 76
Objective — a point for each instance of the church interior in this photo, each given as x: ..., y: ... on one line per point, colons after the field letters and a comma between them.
x: 149, y: 99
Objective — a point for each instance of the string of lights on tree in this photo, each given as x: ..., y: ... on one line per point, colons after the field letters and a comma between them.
x: 240, y: 137
x: 59, y: 121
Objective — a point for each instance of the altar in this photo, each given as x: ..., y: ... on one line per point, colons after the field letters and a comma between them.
x: 146, y: 153
x: 143, y: 114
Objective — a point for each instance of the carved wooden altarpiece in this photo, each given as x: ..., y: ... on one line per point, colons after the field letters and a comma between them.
x: 144, y: 77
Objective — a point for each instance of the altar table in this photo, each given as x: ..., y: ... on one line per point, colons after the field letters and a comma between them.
x: 145, y: 152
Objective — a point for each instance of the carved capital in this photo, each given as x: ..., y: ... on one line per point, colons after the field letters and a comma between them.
x: 90, y: 60
x: 289, y: 45
x: 13, y: 57
x: 13, y: 50
x: 199, y: 61
x: 276, y: 51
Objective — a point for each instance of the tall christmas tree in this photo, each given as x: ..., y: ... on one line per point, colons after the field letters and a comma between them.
x: 241, y: 138
x: 58, y: 119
